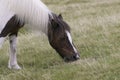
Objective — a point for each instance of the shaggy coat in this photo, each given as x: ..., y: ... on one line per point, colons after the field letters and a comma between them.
x: 32, y: 12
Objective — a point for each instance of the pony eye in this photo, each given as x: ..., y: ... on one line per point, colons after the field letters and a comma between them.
x: 63, y: 38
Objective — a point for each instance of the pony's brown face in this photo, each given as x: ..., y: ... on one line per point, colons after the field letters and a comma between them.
x: 60, y: 38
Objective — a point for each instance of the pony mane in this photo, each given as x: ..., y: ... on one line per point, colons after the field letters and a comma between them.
x: 32, y: 12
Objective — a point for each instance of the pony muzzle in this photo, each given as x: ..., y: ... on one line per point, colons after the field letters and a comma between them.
x: 72, y: 58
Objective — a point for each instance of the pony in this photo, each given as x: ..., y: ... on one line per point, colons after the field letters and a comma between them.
x: 14, y: 14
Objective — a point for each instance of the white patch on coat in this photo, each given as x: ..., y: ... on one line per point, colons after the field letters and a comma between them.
x: 70, y: 39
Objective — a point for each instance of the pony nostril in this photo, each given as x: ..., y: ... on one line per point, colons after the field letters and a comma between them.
x: 76, y: 57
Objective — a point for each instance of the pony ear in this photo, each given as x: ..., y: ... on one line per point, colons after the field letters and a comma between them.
x: 60, y: 16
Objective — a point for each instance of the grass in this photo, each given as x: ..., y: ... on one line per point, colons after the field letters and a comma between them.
x: 95, y: 26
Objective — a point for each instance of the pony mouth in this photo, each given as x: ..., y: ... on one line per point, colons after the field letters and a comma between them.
x: 72, y: 58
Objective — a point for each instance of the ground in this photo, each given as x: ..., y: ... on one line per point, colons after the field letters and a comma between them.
x: 95, y: 28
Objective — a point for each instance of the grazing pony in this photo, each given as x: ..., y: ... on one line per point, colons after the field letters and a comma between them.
x: 14, y: 14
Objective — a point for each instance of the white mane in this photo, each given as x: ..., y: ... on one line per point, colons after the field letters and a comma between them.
x: 32, y: 12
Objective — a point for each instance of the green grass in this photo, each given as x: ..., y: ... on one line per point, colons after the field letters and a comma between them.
x: 95, y: 26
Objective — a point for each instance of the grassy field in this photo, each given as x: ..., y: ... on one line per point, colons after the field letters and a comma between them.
x: 95, y: 26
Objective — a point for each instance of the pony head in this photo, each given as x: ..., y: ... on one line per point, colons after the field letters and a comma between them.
x: 60, y: 38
